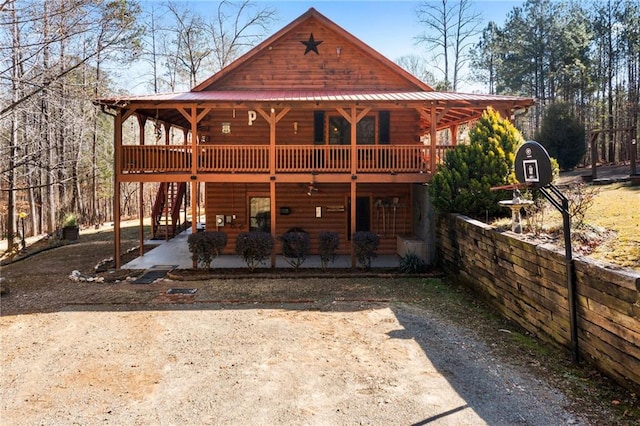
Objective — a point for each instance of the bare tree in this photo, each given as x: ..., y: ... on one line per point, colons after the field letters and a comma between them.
x: 236, y: 27
x: 51, y: 47
x: 450, y: 27
x: 417, y: 66
x: 192, y: 45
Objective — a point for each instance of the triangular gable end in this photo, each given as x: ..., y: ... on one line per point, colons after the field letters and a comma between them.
x: 331, y: 60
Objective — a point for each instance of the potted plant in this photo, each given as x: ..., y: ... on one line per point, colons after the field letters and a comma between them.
x: 70, y: 229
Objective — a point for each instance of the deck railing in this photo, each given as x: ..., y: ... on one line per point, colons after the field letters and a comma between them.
x: 233, y: 158
x: 318, y: 158
x: 156, y: 158
x: 288, y: 158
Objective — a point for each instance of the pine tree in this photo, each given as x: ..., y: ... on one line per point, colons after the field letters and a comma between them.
x: 463, y: 183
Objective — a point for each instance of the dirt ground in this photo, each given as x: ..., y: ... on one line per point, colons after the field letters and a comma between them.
x: 354, y: 350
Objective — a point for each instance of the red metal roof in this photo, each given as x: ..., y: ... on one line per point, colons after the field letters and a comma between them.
x: 313, y: 96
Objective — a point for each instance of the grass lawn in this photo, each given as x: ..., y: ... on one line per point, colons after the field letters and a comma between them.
x: 612, y: 233
x: 617, y: 207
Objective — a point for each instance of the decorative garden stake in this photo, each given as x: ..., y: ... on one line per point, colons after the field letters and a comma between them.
x: 21, y: 216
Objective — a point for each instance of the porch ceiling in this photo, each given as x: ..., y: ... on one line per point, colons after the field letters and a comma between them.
x: 451, y: 108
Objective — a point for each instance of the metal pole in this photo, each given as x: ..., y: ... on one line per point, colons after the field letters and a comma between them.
x: 563, y: 207
x: 571, y: 282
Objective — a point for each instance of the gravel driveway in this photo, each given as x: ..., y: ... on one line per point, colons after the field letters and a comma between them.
x: 343, y: 363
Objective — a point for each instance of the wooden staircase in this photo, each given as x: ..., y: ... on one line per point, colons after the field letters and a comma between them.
x: 166, y: 209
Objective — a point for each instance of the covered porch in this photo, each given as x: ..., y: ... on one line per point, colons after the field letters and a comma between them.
x: 175, y: 252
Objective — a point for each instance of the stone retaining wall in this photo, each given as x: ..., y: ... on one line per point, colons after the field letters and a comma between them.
x: 527, y: 283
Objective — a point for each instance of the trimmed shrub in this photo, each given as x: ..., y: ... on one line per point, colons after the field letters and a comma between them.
x: 462, y: 184
x: 328, y: 246
x: 254, y: 247
x: 296, y: 246
x: 365, y: 245
x: 206, y: 246
x: 412, y: 264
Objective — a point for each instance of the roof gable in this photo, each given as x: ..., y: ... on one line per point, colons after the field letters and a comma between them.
x: 332, y: 59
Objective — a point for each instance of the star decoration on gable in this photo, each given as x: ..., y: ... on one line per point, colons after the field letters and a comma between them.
x: 312, y: 45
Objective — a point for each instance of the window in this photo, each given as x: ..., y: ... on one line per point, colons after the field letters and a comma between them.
x: 260, y: 214
x: 340, y: 131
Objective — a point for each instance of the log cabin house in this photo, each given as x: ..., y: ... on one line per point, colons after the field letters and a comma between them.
x: 310, y: 129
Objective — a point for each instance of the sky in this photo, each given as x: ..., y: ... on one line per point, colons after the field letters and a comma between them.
x: 388, y: 26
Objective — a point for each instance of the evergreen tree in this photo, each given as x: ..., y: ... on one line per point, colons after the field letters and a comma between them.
x: 563, y: 136
x: 463, y: 183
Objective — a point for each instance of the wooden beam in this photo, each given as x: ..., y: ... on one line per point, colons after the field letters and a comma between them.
x: 282, y: 113
x: 128, y: 113
x: 167, y: 132
x: 362, y: 114
x: 433, y: 136
x: 141, y: 230
x: 272, y: 143
x: 184, y: 113
x: 442, y: 114
x: 354, y: 176
x: 274, y: 218
x: 454, y: 134
x: 264, y: 114
x: 354, y: 140
x: 142, y: 121
x: 345, y: 114
x: 353, y: 196
x: 202, y: 114
x: 194, y: 141
x: 194, y: 212
x: 116, y: 188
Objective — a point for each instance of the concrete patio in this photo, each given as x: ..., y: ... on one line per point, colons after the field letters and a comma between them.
x: 175, y: 252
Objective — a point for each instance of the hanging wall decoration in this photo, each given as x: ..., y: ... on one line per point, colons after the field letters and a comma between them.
x: 311, y: 45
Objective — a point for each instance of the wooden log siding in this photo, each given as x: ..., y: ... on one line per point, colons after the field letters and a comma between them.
x: 232, y: 199
x: 527, y: 283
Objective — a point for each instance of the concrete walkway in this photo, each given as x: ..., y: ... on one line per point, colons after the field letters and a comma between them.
x: 175, y: 252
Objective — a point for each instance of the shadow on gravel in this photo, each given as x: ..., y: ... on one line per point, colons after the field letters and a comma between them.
x: 500, y: 394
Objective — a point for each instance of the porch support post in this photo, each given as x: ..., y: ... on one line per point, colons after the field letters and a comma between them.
x: 272, y: 198
x: 354, y: 177
x: 272, y: 118
x: 142, y: 121
x: 272, y: 180
x: 433, y: 136
x: 194, y: 172
x: 454, y: 134
x: 194, y: 212
x: 117, y: 126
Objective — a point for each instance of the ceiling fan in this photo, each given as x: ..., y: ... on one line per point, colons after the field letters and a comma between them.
x: 311, y: 189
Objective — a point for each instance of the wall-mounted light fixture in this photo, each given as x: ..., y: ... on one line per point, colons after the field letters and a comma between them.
x: 338, y: 51
x: 295, y: 127
x: 226, y: 128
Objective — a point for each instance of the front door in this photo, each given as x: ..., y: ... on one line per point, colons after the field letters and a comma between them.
x: 363, y: 215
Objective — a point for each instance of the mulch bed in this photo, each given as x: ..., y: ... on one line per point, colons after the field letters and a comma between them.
x: 288, y: 273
